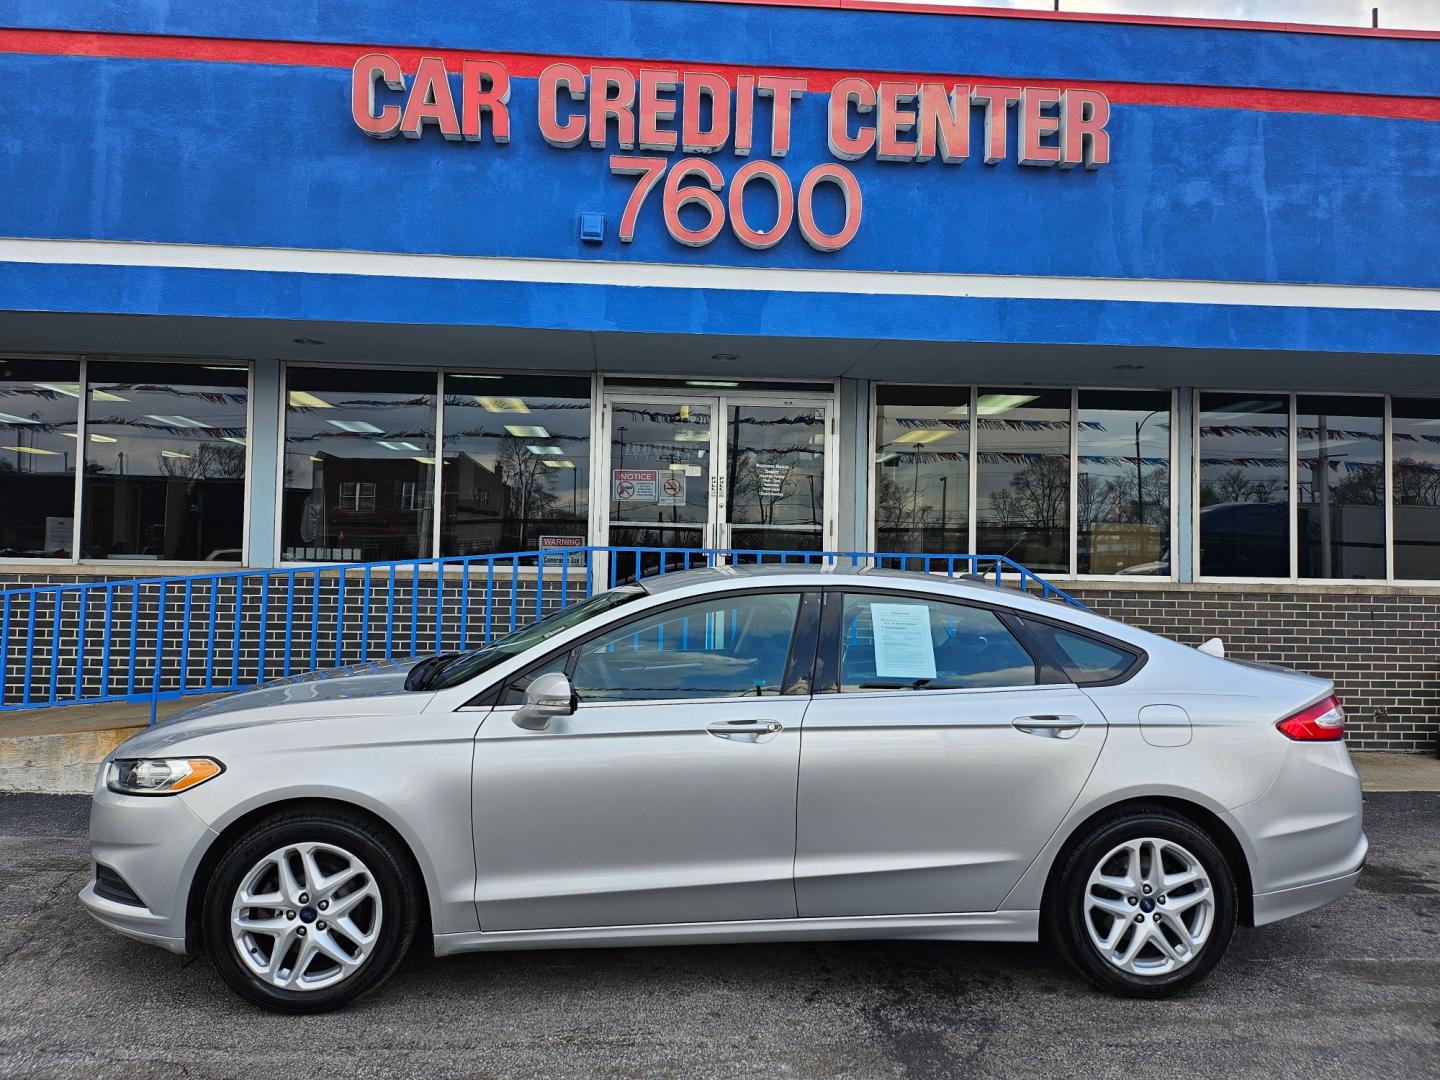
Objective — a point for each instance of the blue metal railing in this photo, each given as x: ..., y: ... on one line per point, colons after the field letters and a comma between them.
x: 161, y: 638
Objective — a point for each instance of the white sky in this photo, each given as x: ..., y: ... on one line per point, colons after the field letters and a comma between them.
x: 1396, y: 14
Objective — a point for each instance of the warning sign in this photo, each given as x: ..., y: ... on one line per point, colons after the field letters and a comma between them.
x: 636, y: 485
x: 672, y: 489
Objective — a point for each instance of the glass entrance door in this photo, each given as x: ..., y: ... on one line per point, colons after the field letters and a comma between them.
x: 662, y: 461
x: 775, y: 475
x: 743, y: 471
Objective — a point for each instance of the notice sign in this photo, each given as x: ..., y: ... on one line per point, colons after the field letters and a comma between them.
x: 636, y: 485
x: 772, y: 478
x: 903, y: 649
x: 672, y: 489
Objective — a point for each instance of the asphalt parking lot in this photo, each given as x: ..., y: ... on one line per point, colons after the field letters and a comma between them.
x: 1352, y: 990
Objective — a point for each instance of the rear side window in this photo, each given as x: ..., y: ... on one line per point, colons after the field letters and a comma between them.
x: 1084, y: 659
x: 906, y: 643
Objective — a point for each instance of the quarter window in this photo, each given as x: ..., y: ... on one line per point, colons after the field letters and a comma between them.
x: 904, y: 643
x: 1085, y: 660
x: 724, y: 647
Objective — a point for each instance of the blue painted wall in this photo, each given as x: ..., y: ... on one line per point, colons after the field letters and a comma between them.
x: 246, y: 154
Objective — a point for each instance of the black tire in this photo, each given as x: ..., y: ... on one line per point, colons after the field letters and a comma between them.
x: 383, y: 856
x: 1064, y: 914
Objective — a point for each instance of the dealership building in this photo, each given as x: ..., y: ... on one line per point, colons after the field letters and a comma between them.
x: 1150, y: 306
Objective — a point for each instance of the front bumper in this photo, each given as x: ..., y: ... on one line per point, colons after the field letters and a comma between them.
x: 155, y: 843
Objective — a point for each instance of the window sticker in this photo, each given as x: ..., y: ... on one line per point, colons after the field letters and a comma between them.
x: 903, y: 649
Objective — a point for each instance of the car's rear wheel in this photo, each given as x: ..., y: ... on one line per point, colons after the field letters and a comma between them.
x: 1144, y: 905
x: 310, y: 909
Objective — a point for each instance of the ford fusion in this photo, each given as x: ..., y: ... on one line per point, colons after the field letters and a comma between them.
x: 731, y: 755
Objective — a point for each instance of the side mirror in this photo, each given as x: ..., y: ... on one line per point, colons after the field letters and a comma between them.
x: 547, y: 695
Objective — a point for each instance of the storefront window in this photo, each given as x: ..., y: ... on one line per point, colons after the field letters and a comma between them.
x: 1415, y: 435
x: 359, y: 465
x: 39, y: 416
x: 1023, y: 476
x: 165, y: 461
x: 1244, y: 485
x: 517, y: 463
x: 1340, y: 486
x: 1122, y: 491
x: 922, y: 468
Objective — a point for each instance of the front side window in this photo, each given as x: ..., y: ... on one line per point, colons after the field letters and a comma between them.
x: 165, y: 448
x: 906, y: 643
x: 922, y: 469
x: 735, y: 646
x: 354, y: 440
x: 1244, y: 485
x: 517, y: 463
x: 1022, y: 499
x: 39, y: 416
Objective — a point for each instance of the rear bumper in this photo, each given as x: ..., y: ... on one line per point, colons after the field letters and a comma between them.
x: 1274, y: 906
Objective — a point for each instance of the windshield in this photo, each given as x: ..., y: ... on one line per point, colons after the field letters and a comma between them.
x: 467, y: 665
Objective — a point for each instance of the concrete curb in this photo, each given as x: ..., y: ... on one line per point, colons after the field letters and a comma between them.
x: 61, y: 764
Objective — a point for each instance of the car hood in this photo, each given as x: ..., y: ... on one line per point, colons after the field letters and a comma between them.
x: 361, y: 688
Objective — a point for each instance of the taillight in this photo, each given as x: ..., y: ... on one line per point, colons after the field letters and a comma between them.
x: 1322, y: 722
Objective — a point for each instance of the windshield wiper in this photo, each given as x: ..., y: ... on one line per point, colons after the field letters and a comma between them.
x: 423, y: 675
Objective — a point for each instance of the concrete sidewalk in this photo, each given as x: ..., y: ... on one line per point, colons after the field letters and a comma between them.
x: 57, y: 750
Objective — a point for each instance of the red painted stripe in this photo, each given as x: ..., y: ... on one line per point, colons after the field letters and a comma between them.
x: 1095, y: 17
x: 529, y: 65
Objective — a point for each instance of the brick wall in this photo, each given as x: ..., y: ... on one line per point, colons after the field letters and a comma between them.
x: 1381, y: 644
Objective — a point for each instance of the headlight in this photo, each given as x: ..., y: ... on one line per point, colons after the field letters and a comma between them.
x: 160, y: 776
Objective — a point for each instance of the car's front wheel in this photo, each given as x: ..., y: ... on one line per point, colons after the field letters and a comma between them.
x: 1144, y: 905
x: 309, y: 909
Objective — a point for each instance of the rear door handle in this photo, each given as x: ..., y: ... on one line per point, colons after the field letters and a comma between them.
x: 745, y: 730
x: 1048, y: 725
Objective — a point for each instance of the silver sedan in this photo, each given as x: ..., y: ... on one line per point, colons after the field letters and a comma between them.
x: 735, y: 755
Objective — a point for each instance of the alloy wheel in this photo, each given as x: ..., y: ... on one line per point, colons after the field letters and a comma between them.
x: 1149, y: 906
x: 306, y: 916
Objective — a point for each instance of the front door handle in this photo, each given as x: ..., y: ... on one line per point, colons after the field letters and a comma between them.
x: 745, y: 730
x: 1048, y: 725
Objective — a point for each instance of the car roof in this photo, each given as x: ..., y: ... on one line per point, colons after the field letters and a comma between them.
x: 811, y: 573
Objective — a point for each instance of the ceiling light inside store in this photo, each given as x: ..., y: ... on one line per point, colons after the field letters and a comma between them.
x: 692, y: 436
x: 93, y: 437
x: 174, y: 421
x: 527, y: 431
x: 563, y: 463
x: 502, y: 404
x: 398, y: 446
x: 174, y: 454
x: 32, y: 450
x: 303, y: 399
x: 995, y: 404
x: 11, y: 418
x: 424, y: 460
x: 923, y: 436
x: 355, y: 427
x: 235, y: 439
x: 544, y: 450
